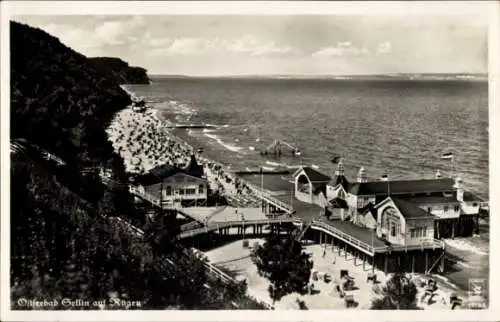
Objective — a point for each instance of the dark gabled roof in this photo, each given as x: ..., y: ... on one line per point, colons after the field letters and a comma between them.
x: 431, y: 200
x: 366, y: 208
x: 156, y: 175
x: 319, y: 187
x: 342, y: 180
x: 338, y: 203
x: 315, y: 176
x: 193, y: 168
x: 401, y: 186
x: 468, y: 196
x: 162, y: 172
x: 409, y: 210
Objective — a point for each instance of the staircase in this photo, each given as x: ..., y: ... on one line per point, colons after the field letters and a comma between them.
x: 303, y: 230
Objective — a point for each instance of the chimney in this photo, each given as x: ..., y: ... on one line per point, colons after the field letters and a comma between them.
x: 340, y: 169
x: 459, y: 188
x: 361, y: 175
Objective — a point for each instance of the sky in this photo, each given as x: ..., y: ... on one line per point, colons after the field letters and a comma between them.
x: 286, y: 45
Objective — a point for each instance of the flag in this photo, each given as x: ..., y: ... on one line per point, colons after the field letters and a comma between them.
x: 448, y: 155
x: 335, y: 159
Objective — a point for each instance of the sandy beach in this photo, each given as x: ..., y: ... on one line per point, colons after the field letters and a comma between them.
x: 143, y: 142
x: 236, y: 259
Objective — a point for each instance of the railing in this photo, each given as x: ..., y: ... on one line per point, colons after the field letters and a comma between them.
x: 148, y: 197
x: 347, y: 238
x: 191, y: 225
x: 266, y: 195
x: 434, y: 243
x: 237, y: 223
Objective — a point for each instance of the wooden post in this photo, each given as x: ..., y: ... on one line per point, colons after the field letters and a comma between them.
x: 373, y: 263
x: 355, y: 257
x: 426, y: 261
x: 339, y: 248
x: 386, y: 263
x: 441, y: 268
x: 412, y: 263
x: 345, y: 251
x: 453, y: 229
x: 364, y: 261
x: 437, y: 229
x: 332, y: 245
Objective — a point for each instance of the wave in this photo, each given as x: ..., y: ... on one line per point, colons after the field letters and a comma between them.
x: 276, y: 164
x: 230, y: 147
x: 209, y: 130
x: 466, y: 245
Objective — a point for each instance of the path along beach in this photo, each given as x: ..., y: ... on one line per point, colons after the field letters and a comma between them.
x: 144, y: 143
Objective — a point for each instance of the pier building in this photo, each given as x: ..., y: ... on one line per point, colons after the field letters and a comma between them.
x: 173, y: 187
x: 454, y: 212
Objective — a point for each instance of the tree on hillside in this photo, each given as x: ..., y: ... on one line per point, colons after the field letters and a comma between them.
x: 283, y: 262
x: 399, y: 293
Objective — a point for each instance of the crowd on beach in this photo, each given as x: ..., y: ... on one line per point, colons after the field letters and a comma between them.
x: 144, y: 144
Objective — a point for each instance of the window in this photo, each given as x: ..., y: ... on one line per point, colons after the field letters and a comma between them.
x: 181, y: 191
x: 393, y: 229
x: 445, y: 208
x: 201, y: 188
x: 474, y: 204
x: 424, y: 231
x: 457, y: 208
x: 168, y: 191
x: 341, y: 194
x: 190, y: 191
x: 412, y: 233
x: 429, y: 209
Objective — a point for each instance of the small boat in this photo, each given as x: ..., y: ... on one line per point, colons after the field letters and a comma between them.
x: 251, y: 148
x: 257, y: 140
x: 315, y: 166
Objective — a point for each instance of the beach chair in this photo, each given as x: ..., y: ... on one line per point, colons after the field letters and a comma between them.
x: 349, y: 301
x: 371, y: 277
x: 327, y: 278
x: 455, y: 301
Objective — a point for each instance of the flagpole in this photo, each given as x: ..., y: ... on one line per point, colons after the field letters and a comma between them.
x: 452, y: 166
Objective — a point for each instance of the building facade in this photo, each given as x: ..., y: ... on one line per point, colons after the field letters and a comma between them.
x: 172, y: 186
x: 438, y: 208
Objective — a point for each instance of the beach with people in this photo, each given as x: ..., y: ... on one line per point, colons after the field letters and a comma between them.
x: 144, y: 143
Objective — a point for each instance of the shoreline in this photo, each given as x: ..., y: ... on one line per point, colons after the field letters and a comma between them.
x: 185, y: 143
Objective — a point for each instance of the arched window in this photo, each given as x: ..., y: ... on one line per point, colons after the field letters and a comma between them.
x: 341, y: 194
x: 303, y: 184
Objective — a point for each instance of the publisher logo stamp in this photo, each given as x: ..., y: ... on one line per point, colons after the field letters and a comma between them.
x: 477, y: 294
